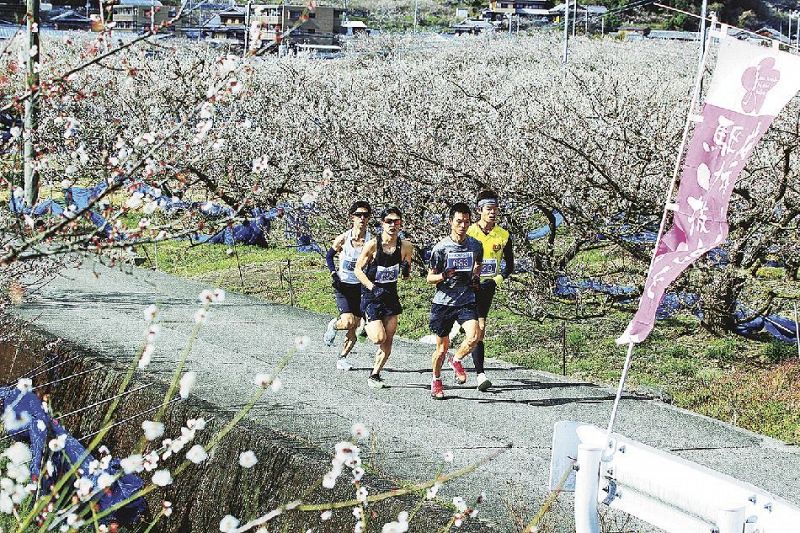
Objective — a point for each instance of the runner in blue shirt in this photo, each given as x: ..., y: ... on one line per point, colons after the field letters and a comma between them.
x: 454, y: 268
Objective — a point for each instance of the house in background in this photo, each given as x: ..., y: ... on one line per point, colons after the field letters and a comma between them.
x: 771, y: 33
x: 500, y: 10
x: 291, y: 25
x: 472, y: 27
x: 354, y: 27
x: 138, y: 15
x: 71, y: 20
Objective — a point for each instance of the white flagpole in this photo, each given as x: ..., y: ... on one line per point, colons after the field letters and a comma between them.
x: 667, y: 204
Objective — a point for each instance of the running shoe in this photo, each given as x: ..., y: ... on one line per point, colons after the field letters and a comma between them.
x: 437, y: 391
x: 458, y: 368
x: 343, y: 364
x: 483, y: 383
x: 375, y: 381
x: 330, y: 333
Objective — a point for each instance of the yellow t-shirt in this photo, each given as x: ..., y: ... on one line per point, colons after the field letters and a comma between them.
x: 493, y: 244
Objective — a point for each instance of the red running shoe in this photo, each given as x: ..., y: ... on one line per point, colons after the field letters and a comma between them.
x: 437, y: 391
x: 458, y: 368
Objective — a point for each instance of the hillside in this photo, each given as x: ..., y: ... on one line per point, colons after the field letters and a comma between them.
x: 749, y: 14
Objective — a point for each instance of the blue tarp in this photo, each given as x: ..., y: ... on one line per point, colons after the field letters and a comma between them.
x: 37, y: 428
x: 780, y: 328
x: 544, y: 231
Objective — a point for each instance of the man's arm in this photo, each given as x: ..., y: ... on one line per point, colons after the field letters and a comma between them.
x: 437, y: 272
x: 406, y: 258
x: 366, y: 256
x: 335, y: 248
x: 508, y: 256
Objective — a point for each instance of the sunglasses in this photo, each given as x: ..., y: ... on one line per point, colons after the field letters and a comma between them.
x: 361, y: 214
x: 393, y: 221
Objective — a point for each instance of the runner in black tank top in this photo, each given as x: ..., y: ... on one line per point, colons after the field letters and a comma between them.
x: 381, y: 263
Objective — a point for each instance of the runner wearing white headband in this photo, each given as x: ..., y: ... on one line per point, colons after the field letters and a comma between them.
x: 498, y: 264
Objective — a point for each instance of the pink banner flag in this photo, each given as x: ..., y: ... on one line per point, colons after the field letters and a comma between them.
x: 750, y: 86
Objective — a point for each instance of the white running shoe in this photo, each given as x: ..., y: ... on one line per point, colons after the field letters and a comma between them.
x: 483, y: 382
x: 330, y: 333
x: 343, y: 364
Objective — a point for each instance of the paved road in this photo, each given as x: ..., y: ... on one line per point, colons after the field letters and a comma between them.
x: 101, y: 309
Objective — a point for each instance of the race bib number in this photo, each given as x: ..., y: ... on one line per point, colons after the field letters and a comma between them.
x: 460, y: 261
x: 489, y: 267
x: 348, y: 265
x: 387, y: 274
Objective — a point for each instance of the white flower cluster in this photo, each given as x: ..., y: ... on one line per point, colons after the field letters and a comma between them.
x: 207, y: 297
x: 264, y: 381
x: 398, y: 526
x: 347, y: 455
x: 150, y: 313
x: 14, y: 482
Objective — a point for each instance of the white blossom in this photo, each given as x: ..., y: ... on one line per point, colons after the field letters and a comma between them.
x: 57, y: 444
x: 162, y: 478
x: 187, y: 383
x: 25, y: 385
x: 152, y: 430
x: 18, y: 453
x: 302, y: 342
x: 359, y: 431
x: 132, y: 463
x: 228, y: 524
x: 196, y: 454
x: 247, y: 459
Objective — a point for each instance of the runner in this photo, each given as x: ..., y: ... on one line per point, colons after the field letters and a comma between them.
x: 498, y: 264
x: 346, y: 287
x: 454, y: 268
x: 378, y: 269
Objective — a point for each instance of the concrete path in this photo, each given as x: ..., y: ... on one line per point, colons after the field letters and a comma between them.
x: 101, y: 309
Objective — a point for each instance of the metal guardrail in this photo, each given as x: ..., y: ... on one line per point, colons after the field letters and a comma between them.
x: 664, y: 490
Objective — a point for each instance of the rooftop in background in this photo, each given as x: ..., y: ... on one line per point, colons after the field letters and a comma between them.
x: 139, y: 3
x: 592, y: 9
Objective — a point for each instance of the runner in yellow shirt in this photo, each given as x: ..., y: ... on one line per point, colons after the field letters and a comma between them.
x: 498, y: 264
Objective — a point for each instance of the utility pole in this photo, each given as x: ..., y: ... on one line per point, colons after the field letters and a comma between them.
x: 566, y: 31
x: 703, y: 9
x: 416, y: 11
x: 32, y: 103
x: 246, y: 30
x: 574, y: 16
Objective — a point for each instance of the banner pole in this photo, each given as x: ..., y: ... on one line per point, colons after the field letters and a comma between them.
x: 618, y: 397
x: 667, y: 205
x: 701, y: 66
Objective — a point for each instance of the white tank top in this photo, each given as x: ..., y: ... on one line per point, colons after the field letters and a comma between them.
x: 348, y: 257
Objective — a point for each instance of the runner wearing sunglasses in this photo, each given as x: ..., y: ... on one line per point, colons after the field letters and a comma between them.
x: 498, y: 264
x: 382, y: 261
x: 454, y: 268
x: 346, y: 286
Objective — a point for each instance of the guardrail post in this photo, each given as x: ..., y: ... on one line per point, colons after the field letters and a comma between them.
x: 731, y: 520
x: 587, y: 482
